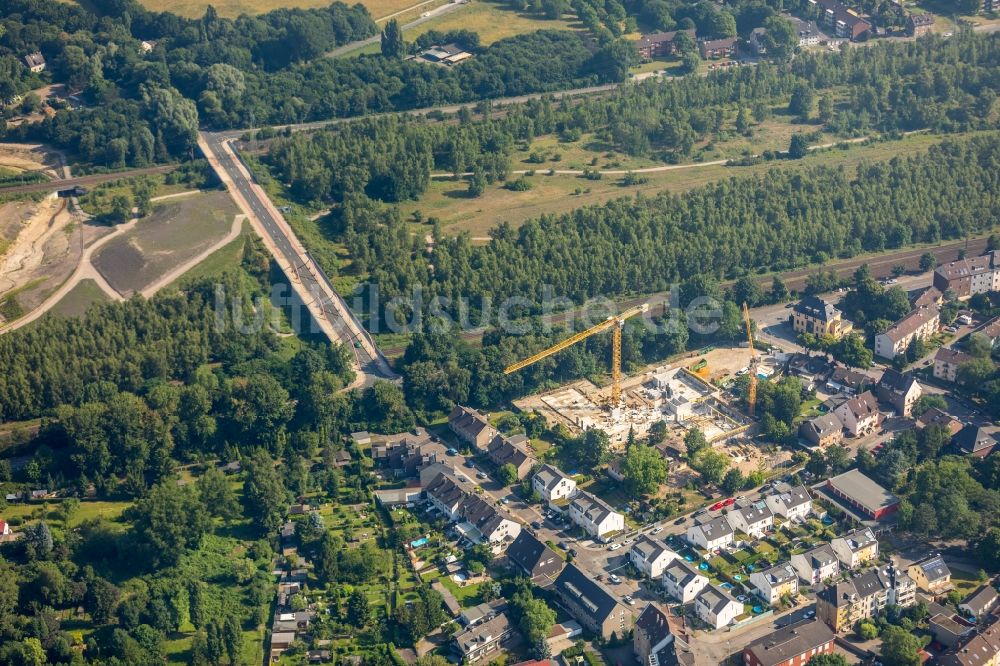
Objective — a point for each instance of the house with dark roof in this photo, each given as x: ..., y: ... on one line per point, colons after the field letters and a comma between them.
x: 935, y: 416
x: 718, y: 48
x: 845, y: 22
x: 660, y: 44
x: 753, y: 519
x: 819, y: 317
x: 595, y: 515
x: 471, y: 427
x: 403, y: 454
x: 711, y: 534
x: 899, y: 390
x: 538, y: 562
x: 774, y: 583
x: 823, y: 430
x: 792, y: 504
x: 791, y: 645
x: 969, y: 276
x: 812, y: 369
x: 35, y: 62
x: 716, y: 607
x: 682, y: 581
x: 650, y: 556
x: 481, y: 640
x: 860, y: 415
x: 947, y: 361
x: 856, y: 548
x: 919, y: 24
x: 975, y: 441
x: 991, y: 329
x: 931, y: 575
x: 842, y: 604
x: 817, y: 564
x: 980, y: 602
x: 512, y: 451
x: 847, y: 381
x: 591, y: 604
x: 658, y: 638
x: 982, y: 649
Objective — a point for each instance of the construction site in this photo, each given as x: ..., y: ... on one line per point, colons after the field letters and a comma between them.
x: 682, y: 394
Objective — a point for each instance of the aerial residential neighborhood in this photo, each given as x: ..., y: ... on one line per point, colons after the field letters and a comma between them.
x: 429, y: 332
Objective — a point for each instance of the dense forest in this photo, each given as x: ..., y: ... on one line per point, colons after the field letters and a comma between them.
x: 943, y: 85
x: 144, y: 107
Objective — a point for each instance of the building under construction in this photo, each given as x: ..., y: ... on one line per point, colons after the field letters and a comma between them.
x: 673, y: 394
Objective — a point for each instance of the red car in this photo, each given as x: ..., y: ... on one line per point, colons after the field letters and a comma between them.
x: 729, y: 502
x: 716, y: 506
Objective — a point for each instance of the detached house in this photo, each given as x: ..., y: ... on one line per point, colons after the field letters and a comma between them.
x: 711, y: 535
x: 682, y: 581
x: 595, y: 516
x: 774, y: 583
x: 471, y: 427
x: 860, y: 414
x: 931, y: 575
x: 650, y: 556
x: 980, y: 602
x: 552, y: 485
x: 35, y: 62
x: 753, y: 520
x: 855, y: 548
x: 820, y: 318
x: 793, y: 505
x: 898, y: 390
x: 816, y: 565
x: 481, y: 640
x: 823, y: 430
x: 973, y: 441
x: 716, y: 607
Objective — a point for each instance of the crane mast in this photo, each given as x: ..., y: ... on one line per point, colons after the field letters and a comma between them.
x: 615, y: 323
x: 752, y: 369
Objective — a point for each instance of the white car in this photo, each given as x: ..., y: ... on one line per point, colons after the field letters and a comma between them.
x: 615, y: 579
x: 614, y: 546
x: 656, y: 530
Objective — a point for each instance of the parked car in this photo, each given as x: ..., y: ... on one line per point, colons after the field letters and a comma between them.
x: 656, y: 530
x: 716, y: 506
x: 681, y: 520
x: 470, y: 464
x: 480, y: 475
x: 452, y: 452
x: 615, y: 579
x: 629, y: 600
x: 505, y: 501
x: 537, y: 525
x: 729, y: 502
x: 615, y: 546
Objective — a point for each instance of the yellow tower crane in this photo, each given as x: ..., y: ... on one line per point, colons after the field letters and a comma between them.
x: 752, y: 369
x: 615, y: 323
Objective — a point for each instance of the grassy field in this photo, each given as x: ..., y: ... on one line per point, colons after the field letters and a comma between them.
x: 79, y: 299
x: 233, y: 8
x: 492, y: 21
x: 223, y: 259
x: 176, y: 231
x: 449, y: 202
